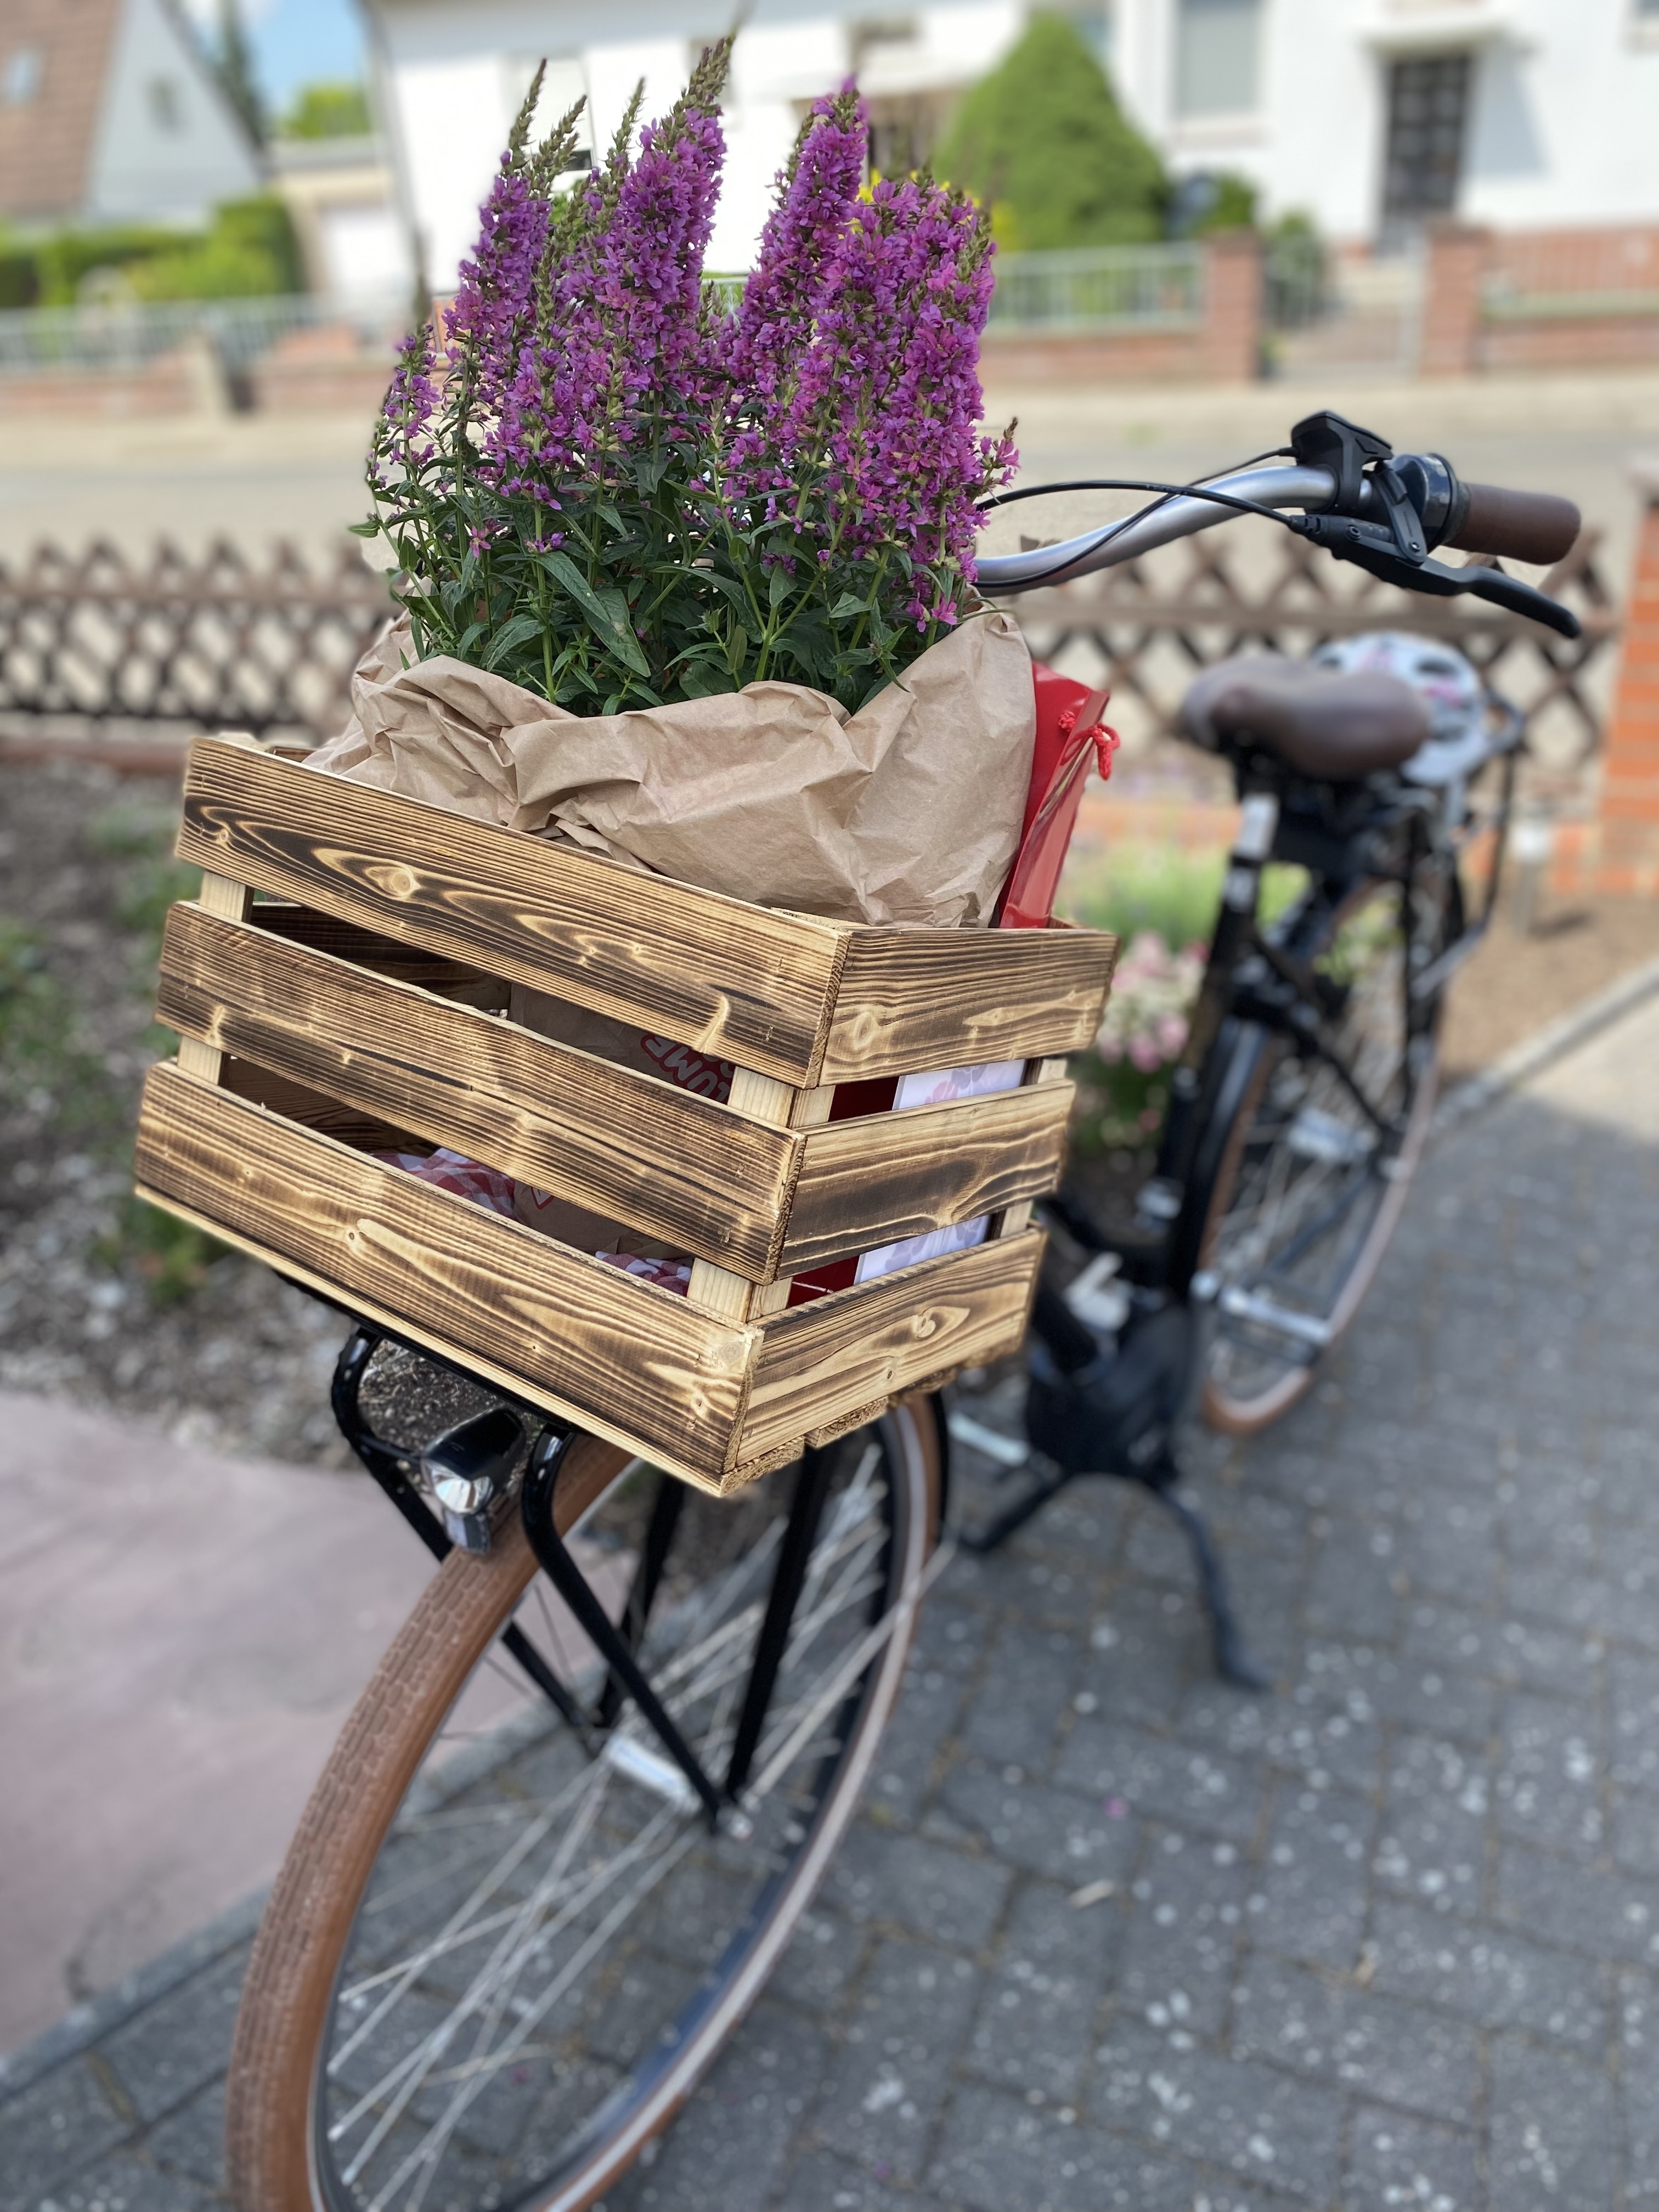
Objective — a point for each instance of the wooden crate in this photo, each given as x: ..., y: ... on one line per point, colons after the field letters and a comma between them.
x: 360, y: 1005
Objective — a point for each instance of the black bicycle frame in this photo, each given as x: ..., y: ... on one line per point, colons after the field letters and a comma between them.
x: 617, y: 1642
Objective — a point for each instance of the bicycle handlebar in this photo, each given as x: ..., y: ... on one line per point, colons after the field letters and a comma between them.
x: 1515, y: 526
x: 1385, y: 511
x: 1179, y: 516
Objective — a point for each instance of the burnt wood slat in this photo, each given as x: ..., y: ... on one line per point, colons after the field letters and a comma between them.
x: 913, y: 998
x: 875, y: 1181
x: 624, y: 1145
x: 600, y: 1346
x: 820, y: 1364
x: 733, y: 980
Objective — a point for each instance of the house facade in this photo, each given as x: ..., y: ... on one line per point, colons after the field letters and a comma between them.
x: 1375, y: 116
x: 109, y: 113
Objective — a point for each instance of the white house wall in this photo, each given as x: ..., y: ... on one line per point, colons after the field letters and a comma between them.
x: 450, y: 70
x: 1564, y: 128
x: 142, y: 169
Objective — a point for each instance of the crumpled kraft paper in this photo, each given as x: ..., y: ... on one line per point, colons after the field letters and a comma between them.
x: 908, y: 812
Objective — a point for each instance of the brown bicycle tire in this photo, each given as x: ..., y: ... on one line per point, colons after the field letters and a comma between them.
x: 288, y: 1993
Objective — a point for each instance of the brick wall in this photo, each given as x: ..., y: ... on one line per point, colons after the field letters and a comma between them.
x: 1480, y: 284
x: 1624, y: 849
x: 1224, y: 346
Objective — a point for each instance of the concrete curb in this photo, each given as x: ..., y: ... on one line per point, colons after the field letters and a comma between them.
x: 111, y: 2008
x: 1553, y: 1043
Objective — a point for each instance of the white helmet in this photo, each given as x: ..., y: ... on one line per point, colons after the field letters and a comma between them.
x: 1449, y: 685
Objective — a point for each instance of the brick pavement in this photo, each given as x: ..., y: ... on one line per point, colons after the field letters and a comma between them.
x: 1109, y: 1935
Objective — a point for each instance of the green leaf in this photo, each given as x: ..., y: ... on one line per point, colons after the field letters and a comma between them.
x: 846, y: 605
x: 510, y: 636
x: 778, y: 588
x: 364, y: 529
x: 608, y: 621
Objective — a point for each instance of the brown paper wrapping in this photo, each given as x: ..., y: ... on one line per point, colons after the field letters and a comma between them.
x: 908, y: 812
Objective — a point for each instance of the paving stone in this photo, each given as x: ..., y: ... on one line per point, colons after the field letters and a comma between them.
x: 1396, y: 2053
x: 1309, y: 1899
x: 1488, y: 1975
x: 1141, y: 1646
x: 1352, y: 1588
x: 1633, y: 1688
x: 1252, y: 2119
x: 1168, y: 1780
x: 1550, y: 1774
x: 60, y: 2124
x: 1303, y: 1733
x: 912, y: 1883
x: 1623, y: 1605
x: 126, y: 2183
x: 728, y: 2146
x: 995, y: 2154
x: 1029, y: 1680
x: 1408, y: 1688
x: 1609, y: 1915
x: 1395, y: 2163
x: 192, y: 2141
x: 929, y: 1709
x: 1432, y: 1838
x: 823, y: 1957
x: 1637, y: 2007
x: 821, y: 2183
x: 1185, y: 1913
x: 1050, y: 1831
x: 1554, y: 2139
x: 1446, y: 1545
x: 1633, y: 1831
x: 889, y: 2081
x: 175, y: 2046
x: 1034, y: 2027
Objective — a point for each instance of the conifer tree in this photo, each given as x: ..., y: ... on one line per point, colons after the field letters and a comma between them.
x: 1043, y: 145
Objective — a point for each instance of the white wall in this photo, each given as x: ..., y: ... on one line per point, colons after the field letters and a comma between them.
x: 1564, y: 128
x: 144, y: 166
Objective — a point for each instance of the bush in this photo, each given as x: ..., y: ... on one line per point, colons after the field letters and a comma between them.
x: 1042, y: 143
x: 327, y: 111
x: 249, y: 253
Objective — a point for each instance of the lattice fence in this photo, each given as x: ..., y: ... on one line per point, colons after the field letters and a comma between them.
x: 1147, y: 627
x: 220, y: 643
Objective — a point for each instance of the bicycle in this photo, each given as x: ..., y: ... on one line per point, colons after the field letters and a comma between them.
x: 547, y: 1866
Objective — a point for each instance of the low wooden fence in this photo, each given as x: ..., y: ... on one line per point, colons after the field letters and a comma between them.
x: 216, y: 643
x: 224, y: 644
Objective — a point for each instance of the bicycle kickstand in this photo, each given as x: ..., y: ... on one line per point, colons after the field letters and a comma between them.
x: 1232, y: 1661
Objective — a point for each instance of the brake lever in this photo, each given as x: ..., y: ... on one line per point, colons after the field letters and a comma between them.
x: 1375, y: 551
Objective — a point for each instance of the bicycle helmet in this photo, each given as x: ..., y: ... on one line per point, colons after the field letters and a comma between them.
x: 1450, y: 686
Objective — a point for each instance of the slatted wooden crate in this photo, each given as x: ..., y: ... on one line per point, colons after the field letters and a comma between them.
x: 359, y: 1004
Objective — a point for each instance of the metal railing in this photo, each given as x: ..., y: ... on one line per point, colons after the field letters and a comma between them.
x: 1104, y: 287
x: 129, y: 334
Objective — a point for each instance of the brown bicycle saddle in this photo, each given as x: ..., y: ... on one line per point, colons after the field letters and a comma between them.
x: 1325, y: 723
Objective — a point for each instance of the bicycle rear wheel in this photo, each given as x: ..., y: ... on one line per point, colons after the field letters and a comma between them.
x: 493, y: 1964
x: 1305, y: 1193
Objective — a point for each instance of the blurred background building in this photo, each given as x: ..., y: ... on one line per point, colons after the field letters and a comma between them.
x: 1374, y: 116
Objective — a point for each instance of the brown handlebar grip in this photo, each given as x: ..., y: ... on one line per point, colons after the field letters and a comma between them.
x: 1517, y: 525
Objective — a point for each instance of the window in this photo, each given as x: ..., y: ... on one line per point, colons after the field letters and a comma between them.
x: 1428, y: 108
x: 1218, y: 52
x: 166, y: 109
x: 21, y: 78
